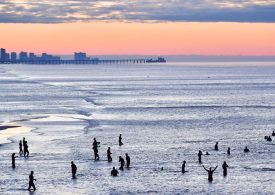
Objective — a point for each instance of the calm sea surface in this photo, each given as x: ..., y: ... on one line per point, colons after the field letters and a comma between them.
x: 165, y: 113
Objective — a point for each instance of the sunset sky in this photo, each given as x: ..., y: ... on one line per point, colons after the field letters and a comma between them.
x: 163, y: 27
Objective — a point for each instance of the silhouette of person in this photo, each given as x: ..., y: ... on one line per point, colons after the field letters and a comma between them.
x: 122, y: 163
x: 183, y: 166
x: 228, y: 150
x: 20, y: 147
x: 199, y: 156
x: 207, y: 153
x: 26, y: 150
x: 95, y: 148
x: 216, y: 146
x: 24, y: 146
x: 120, y: 140
x: 269, y: 139
x: 246, y: 149
x: 224, y: 167
x: 128, y: 160
x: 273, y: 133
x: 109, y: 154
x: 13, y: 160
x: 74, y: 169
x: 210, y: 173
x: 114, y: 172
x: 31, y: 184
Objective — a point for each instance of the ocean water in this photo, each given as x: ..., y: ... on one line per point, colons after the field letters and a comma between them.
x: 165, y: 113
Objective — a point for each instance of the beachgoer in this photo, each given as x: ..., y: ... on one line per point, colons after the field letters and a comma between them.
x: 20, y: 147
x: 114, y: 172
x: 24, y: 146
x: 120, y: 140
x: 13, y: 160
x: 122, y: 163
x: 74, y: 169
x: 207, y: 153
x: 269, y: 139
x: 216, y: 146
x: 26, y: 149
x: 273, y: 133
x: 95, y: 148
x: 183, y: 166
x: 228, y: 150
x: 224, y: 166
x: 210, y: 173
x: 128, y: 161
x: 109, y: 154
x: 31, y: 184
x: 199, y: 156
x: 246, y: 149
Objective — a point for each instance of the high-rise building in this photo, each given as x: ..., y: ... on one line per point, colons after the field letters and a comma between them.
x: 7, y: 57
x: 80, y: 56
x: 13, y: 56
x: 23, y: 56
x: 2, y: 54
x: 32, y: 56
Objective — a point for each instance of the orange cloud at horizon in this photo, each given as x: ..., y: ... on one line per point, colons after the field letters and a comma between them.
x: 175, y: 38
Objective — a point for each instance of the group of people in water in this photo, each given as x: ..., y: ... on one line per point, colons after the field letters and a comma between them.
x: 224, y: 165
x: 268, y: 138
x: 24, y: 149
x: 114, y: 172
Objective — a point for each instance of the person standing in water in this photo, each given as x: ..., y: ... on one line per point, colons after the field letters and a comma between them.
x: 273, y: 133
x: 183, y: 166
x: 114, y: 172
x: 26, y: 150
x: 228, y: 150
x: 122, y: 163
x: 109, y: 154
x: 224, y: 167
x: 246, y: 149
x: 120, y: 140
x: 20, y: 147
x: 31, y: 184
x: 13, y: 160
x: 199, y: 156
x: 74, y: 169
x: 210, y: 173
x: 24, y: 146
x: 95, y: 148
x: 216, y: 146
x: 128, y: 160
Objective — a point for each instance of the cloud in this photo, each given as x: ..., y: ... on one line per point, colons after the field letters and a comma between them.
x: 61, y: 11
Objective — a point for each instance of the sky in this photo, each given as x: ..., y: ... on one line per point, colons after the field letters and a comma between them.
x: 152, y: 27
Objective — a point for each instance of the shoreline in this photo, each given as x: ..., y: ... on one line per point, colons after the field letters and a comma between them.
x: 10, y: 130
